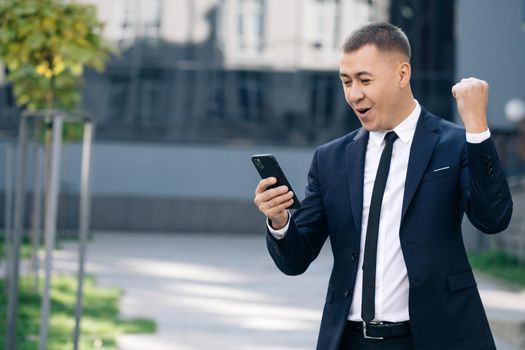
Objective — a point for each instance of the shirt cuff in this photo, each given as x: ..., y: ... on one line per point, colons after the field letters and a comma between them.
x: 478, y: 137
x: 278, y: 234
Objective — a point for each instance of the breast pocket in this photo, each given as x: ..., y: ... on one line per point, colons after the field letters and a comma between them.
x: 440, y: 173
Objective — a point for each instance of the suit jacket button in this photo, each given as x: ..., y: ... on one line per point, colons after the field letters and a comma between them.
x: 354, y: 257
x: 347, y: 293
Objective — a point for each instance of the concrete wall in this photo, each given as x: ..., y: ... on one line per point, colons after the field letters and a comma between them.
x: 138, y: 186
x: 490, y: 39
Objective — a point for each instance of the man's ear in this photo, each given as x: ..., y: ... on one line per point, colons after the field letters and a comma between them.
x: 404, y: 72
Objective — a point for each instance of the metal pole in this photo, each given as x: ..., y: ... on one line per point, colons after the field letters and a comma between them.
x: 36, y: 218
x: 135, y: 66
x: 8, y: 211
x: 47, y: 160
x: 12, y: 300
x: 50, y: 225
x: 84, y: 224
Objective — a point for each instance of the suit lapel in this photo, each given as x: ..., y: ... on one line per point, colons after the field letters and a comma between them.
x: 355, y: 165
x: 425, y: 139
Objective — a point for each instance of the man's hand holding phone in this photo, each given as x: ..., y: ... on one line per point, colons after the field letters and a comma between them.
x: 273, y: 202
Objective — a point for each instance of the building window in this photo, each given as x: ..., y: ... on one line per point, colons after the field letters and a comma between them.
x: 250, y: 95
x: 138, y: 18
x: 118, y: 96
x: 322, y: 92
x: 217, y: 100
x: 251, y: 25
x: 150, y: 88
x: 323, y: 23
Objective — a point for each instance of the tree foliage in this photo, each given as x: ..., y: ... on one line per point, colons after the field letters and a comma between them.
x: 45, y: 45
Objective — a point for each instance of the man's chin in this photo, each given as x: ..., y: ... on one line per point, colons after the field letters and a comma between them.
x: 369, y: 126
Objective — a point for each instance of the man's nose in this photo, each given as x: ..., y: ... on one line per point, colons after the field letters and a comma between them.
x: 355, y: 94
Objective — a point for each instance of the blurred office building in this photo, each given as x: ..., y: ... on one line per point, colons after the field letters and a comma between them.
x: 199, y: 85
x: 226, y: 71
x: 248, y: 71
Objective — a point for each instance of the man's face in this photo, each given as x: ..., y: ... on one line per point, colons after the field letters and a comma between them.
x: 371, y: 83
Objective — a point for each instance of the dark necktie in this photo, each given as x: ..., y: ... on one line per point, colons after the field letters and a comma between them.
x: 372, y: 231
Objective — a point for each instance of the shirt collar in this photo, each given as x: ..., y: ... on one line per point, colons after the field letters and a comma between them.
x: 405, y: 130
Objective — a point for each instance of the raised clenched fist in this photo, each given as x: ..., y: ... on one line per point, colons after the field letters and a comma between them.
x: 471, y: 98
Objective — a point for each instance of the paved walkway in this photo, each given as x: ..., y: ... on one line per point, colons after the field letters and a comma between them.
x: 222, y: 291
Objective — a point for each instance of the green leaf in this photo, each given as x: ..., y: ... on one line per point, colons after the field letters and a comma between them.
x: 35, y: 40
x: 25, y: 8
x: 33, y: 32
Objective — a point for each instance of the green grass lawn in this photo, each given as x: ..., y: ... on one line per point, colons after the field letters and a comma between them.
x: 100, y: 323
x: 499, y: 264
x: 25, y: 248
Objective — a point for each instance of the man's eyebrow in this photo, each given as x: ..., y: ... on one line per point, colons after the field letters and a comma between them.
x: 364, y: 72
x: 358, y: 74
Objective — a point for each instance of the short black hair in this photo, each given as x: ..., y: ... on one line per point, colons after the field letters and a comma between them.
x: 385, y: 36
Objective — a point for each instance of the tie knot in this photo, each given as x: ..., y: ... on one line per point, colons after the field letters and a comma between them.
x: 390, y: 137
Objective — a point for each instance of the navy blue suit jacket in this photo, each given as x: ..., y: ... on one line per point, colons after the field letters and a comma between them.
x: 444, y: 304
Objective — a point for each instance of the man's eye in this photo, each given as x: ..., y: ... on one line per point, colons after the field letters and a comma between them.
x: 365, y: 81
x: 347, y: 82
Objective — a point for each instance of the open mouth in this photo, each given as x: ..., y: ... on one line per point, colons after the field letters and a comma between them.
x: 363, y: 111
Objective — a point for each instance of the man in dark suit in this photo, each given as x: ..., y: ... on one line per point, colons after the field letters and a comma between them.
x: 391, y: 198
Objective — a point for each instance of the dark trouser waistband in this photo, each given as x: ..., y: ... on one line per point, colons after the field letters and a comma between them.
x: 385, y: 330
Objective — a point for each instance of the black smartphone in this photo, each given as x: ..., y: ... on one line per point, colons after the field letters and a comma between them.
x: 267, y: 166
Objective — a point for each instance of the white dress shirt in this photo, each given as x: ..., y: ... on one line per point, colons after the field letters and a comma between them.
x: 391, y: 272
x: 392, y: 286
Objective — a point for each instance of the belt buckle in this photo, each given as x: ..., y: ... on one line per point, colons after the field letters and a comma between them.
x: 366, y: 336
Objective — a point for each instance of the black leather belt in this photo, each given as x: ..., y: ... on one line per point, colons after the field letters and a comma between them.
x: 379, y: 330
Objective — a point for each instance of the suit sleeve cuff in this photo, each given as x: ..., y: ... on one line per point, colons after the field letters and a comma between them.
x: 478, y: 137
x: 278, y: 234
